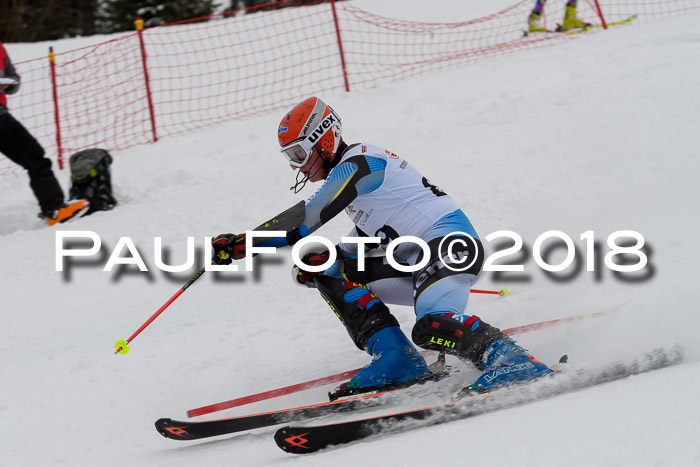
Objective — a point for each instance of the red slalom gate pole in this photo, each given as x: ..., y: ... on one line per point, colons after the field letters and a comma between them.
x: 122, y: 345
x: 600, y: 14
x: 349, y: 374
x: 139, y: 28
x: 340, y: 47
x: 54, y: 88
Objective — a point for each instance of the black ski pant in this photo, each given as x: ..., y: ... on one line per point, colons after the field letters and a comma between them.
x: 22, y: 148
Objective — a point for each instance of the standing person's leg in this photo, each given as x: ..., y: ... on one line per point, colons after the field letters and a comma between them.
x: 22, y: 148
x: 534, y: 21
x: 572, y: 21
x: 539, y: 6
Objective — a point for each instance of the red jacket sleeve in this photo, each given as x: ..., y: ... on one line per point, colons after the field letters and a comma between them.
x: 7, y: 70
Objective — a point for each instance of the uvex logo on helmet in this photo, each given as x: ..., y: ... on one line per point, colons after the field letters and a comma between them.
x: 325, y: 124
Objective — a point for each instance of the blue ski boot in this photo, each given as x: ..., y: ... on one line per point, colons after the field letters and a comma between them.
x: 373, y: 329
x: 396, y: 363
x: 490, y: 350
x: 505, y: 363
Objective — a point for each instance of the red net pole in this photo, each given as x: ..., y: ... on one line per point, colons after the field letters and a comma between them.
x: 600, y: 14
x: 52, y: 65
x: 139, y: 28
x: 340, y: 46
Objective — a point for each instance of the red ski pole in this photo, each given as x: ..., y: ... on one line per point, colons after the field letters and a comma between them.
x: 535, y: 326
x: 122, y: 345
x: 503, y: 292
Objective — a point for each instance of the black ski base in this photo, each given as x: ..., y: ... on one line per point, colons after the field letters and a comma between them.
x: 191, y: 430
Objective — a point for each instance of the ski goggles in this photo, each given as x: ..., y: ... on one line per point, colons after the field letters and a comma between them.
x: 299, y: 152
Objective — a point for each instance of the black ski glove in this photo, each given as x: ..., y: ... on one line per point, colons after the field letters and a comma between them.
x: 305, y: 278
x: 228, y: 247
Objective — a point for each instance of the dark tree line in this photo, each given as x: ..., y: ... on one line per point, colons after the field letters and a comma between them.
x: 265, y: 5
x: 36, y: 20
x: 41, y: 20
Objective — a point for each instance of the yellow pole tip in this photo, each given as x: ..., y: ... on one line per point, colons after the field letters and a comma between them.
x: 504, y: 292
x: 121, y: 347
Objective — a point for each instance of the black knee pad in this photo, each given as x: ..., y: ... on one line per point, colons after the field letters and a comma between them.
x: 440, y: 255
x: 361, y: 318
x: 437, y: 332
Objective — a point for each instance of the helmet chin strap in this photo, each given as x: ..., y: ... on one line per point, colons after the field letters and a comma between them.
x: 300, y: 184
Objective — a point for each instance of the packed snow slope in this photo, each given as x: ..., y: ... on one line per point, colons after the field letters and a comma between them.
x: 599, y: 134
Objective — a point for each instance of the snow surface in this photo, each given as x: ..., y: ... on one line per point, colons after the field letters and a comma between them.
x: 596, y: 134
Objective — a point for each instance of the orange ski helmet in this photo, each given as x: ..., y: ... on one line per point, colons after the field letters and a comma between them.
x: 309, y: 124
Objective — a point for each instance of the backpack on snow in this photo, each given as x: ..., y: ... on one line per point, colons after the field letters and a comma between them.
x: 91, y: 179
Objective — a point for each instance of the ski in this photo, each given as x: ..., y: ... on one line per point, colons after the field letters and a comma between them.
x: 186, y: 431
x: 583, y: 29
x: 283, y: 391
x: 191, y: 430
x: 307, y: 439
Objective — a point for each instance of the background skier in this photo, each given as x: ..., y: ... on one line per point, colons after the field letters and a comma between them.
x: 571, y: 21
